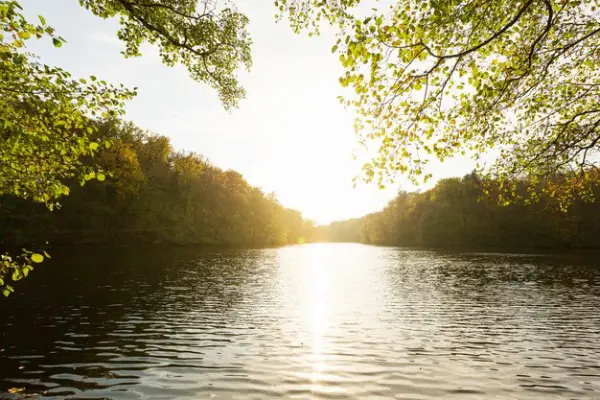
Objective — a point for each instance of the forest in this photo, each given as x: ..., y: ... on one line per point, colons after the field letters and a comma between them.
x: 147, y: 194
x: 465, y: 212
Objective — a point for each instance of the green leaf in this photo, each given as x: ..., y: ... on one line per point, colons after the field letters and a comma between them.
x: 42, y: 19
x: 100, y: 176
x: 37, y: 258
x: 93, y: 146
x: 57, y: 42
x: 17, y: 275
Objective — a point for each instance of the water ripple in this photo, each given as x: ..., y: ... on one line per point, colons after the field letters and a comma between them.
x: 315, y: 321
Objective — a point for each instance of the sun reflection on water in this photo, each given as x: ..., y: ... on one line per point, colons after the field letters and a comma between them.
x: 319, y: 314
x: 313, y: 302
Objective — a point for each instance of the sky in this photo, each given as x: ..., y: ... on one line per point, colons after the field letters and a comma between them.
x: 289, y: 136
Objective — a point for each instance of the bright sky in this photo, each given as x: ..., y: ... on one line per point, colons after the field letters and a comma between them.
x: 290, y: 135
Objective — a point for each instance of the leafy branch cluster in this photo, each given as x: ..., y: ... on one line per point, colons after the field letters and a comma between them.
x: 440, y: 78
x: 17, y: 267
x: 44, y: 116
x: 210, y: 42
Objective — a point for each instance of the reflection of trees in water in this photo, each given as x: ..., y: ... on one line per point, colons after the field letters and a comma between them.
x: 472, y: 270
x: 495, y: 310
x: 526, y: 286
x: 102, y: 318
x: 510, y: 308
x: 444, y: 286
x: 210, y: 282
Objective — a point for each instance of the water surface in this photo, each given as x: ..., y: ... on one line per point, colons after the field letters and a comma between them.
x: 318, y: 321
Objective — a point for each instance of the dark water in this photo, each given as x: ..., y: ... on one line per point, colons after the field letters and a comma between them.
x: 315, y: 321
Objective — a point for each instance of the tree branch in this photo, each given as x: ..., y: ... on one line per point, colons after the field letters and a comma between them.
x: 496, y: 35
x: 544, y: 33
x: 167, y: 7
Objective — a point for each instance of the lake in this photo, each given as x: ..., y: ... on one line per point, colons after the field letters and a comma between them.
x: 322, y: 321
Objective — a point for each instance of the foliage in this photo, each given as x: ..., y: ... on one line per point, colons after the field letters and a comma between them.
x: 440, y: 78
x: 18, y: 268
x: 152, y: 195
x: 45, y: 114
x: 209, y: 42
x: 44, y: 128
x: 456, y: 212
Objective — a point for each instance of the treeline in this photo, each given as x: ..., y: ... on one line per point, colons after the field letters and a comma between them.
x: 457, y: 212
x: 151, y: 194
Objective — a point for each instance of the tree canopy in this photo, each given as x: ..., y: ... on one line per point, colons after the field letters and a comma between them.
x: 440, y: 78
x: 210, y: 41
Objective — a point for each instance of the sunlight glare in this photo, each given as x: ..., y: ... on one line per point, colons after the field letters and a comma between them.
x: 319, y: 311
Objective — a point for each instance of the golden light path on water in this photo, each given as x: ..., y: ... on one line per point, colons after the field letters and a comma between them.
x: 319, y: 316
x: 310, y: 309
